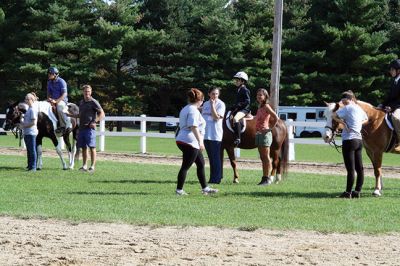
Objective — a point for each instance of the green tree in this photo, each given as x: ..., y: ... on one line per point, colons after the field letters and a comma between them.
x: 112, y: 58
x: 341, y: 51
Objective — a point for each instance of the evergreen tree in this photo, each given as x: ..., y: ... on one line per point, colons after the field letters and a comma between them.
x: 112, y: 58
x: 341, y: 51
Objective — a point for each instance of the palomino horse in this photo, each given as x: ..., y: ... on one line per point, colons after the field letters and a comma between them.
x: 279, y: 149
x: 46, y: 125
x: 377, y: 137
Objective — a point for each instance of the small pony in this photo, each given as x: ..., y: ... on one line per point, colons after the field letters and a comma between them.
x: 46, y: 125
x: 279, y: 149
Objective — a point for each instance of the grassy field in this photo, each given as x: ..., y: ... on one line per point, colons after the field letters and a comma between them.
x: 303, y: 152
x: 144, y: 194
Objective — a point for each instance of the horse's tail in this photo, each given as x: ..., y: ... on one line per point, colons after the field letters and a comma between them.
x: 285, y: 156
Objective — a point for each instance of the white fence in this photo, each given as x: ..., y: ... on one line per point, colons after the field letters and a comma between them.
x: 143, y: 134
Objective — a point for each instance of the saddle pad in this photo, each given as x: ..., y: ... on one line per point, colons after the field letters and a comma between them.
x: 228, y: 122
x: 45, y: 107
x: 388, y: 120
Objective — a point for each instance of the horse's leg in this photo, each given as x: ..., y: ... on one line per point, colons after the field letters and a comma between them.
x: 70, y: 151
x: 39, y: 162
x: 57, y: 144
x: 232, y: 159
x: 376, y: 160
x: 276, y: 167
x: 72, y: 155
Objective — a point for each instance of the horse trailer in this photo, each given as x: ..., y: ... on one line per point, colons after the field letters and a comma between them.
x: 305, y: 114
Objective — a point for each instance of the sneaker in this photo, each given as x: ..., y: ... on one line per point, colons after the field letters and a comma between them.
x: 83, y: 169
x: 355, y: 194
x: 180, y: 192
x: 91, y: 169
x: 208, y: 190
x: 345, y: 195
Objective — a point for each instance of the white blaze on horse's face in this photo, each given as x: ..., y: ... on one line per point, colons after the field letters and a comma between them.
x: 328, y: 133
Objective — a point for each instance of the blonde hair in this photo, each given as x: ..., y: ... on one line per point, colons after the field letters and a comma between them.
x: 32, y: 96
x: 86, y: 86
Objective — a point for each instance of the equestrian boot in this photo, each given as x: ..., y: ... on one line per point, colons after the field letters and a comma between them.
x: 237, y: 129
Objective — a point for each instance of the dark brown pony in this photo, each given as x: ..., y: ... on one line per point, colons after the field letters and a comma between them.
x: 279, y: 149
x: 377, y: 137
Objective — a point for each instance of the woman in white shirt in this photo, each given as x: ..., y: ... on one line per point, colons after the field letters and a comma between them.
x: 352, y: 117
x: 190, y: 141
x: 213, y: 112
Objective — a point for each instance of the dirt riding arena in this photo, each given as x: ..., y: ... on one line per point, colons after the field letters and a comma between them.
x: 54, y: 242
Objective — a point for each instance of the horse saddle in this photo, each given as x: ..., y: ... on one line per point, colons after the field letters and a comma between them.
x: 229, y: 121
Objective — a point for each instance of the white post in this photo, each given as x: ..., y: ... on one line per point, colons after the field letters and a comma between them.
x: 237, y: 152
x: 291, y: 144
x: 102, y: 134
x: 143, y: 138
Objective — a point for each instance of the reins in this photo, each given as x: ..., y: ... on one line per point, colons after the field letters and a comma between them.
x: 333, y: 142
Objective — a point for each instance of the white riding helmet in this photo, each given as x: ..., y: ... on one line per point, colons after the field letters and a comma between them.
x: 241, y: 75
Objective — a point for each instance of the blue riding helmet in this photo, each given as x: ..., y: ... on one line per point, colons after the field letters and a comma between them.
x: 52, y: 70
x: 395, y: 64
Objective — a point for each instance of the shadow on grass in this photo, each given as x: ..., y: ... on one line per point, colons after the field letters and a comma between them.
x: 22, y: 169
x: 108, y: 193
x: 285, y: 194
x: 141, y: 181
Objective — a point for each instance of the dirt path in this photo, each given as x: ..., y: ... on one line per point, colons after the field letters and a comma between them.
x: 51, y: 242
x: 54, y: 242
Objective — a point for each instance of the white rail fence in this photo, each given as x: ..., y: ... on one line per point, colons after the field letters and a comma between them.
x: 143, y: 134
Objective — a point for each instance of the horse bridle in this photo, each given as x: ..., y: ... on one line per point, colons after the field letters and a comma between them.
x: 333, y: 142
x: 16, y: 130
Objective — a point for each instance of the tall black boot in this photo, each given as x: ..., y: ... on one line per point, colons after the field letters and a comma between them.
x: 237, y: 129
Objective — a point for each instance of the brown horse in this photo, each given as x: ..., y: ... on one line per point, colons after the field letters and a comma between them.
x: 279, y: 149
x: 377, y: 137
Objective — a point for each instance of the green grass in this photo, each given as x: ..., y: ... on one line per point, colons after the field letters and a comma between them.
x: 158, y: 146
x: 144, y: 194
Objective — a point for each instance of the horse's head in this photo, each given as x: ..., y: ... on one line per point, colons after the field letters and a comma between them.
x: 332, y: 127
x: 14, y: 115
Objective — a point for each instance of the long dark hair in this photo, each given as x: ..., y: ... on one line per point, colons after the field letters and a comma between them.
x: 266, y: 94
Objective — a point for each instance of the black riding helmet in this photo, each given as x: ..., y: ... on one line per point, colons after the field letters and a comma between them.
x: 395, y: 64
x: 52, y: 70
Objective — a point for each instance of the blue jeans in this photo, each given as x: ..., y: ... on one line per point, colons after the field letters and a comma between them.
x: 30, y: 142
x: 213, y: 148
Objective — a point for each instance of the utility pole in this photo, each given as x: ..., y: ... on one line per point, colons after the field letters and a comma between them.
x: 276, y: 55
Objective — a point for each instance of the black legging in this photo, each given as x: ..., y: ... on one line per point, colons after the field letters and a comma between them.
x: 352, y: 156
x: 191, y: 155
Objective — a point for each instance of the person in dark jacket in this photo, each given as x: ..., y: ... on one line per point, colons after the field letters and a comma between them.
x: 392, y: 101
x: 242, y: 105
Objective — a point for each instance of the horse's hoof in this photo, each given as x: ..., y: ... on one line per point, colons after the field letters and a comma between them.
x: 38, y: 169
x: 236, y: 181
x: 377, y: 193
x: 65, y: 168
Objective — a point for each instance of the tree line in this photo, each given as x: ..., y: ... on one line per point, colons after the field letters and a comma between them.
x: 141, y: 56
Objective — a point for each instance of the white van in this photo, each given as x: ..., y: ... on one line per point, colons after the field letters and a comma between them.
x: 306, y: 114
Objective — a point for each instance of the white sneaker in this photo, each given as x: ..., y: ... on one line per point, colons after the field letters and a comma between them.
x: 208, y: 190
x: 180, y: 192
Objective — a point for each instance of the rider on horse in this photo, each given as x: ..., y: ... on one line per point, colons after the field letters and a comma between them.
x: 242, y: 106
x: 57, y: 95
x: 392, y: 101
